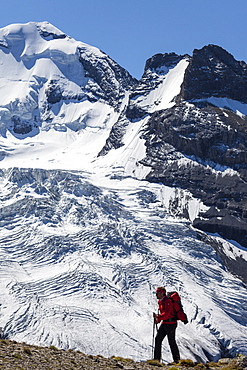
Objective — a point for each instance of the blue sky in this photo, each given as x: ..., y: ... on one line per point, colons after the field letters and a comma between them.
x: 131, y: 31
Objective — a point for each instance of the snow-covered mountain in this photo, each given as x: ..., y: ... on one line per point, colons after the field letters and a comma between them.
x: 112, y: 186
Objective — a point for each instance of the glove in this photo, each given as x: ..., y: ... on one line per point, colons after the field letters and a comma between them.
x: 156, y: 320
x: 186, y: 322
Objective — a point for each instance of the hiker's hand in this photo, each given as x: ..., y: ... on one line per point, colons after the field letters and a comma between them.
x: 186, y: 322
x: 155, y: 318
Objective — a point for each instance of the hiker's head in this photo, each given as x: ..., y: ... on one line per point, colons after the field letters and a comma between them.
x: 160, y: 292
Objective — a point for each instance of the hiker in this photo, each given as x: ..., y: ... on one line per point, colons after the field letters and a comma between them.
x: 167, y: 316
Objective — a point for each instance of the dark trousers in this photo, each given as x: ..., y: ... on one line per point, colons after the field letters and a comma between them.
x: 169, y: 330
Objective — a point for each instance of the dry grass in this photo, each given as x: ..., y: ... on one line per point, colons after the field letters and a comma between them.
x: 21, y: 356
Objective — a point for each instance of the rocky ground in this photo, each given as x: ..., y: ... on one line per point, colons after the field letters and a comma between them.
x: 22, y: 356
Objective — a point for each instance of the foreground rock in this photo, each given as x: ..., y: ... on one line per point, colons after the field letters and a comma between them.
x: 15, y: 355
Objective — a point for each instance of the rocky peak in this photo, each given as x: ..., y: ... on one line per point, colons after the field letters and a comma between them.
x: 158, y: 61
x: 213, y: 71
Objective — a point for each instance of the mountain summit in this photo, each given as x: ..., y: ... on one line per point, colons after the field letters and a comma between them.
x: 111, y: 187
x: 45, y: 73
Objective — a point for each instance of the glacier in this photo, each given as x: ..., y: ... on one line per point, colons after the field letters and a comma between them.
x: 85, y: 238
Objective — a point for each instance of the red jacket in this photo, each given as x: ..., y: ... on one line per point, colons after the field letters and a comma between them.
x: 167, y: 313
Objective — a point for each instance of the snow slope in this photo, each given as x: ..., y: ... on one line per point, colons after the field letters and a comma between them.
x: 169, y: 83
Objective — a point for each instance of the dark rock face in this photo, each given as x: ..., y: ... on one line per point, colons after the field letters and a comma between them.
x: 191, y: 144
x: 114, y: 140
x: 206, y: 133
x: 214, y: 72
x: 157, y: 61
x: 205, y: 137
x: 111, y: 79
x: 53, y: 92
x: 21, y: 127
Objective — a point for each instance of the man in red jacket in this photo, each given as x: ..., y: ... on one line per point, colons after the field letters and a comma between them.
x: 167, y: 317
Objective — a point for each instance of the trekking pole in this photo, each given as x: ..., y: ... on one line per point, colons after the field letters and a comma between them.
x: 153, y: 338
x: 155, y: 326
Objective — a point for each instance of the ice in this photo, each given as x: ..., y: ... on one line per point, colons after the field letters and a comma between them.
x: 91, y: 260
x: 234, y: 105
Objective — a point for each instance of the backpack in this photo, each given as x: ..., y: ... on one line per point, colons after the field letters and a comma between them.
x: 177, y: 305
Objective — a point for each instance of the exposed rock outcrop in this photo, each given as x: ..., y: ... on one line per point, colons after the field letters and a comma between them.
x: 214, y: 72
x: 111, y: 80
x: 202, y: 148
